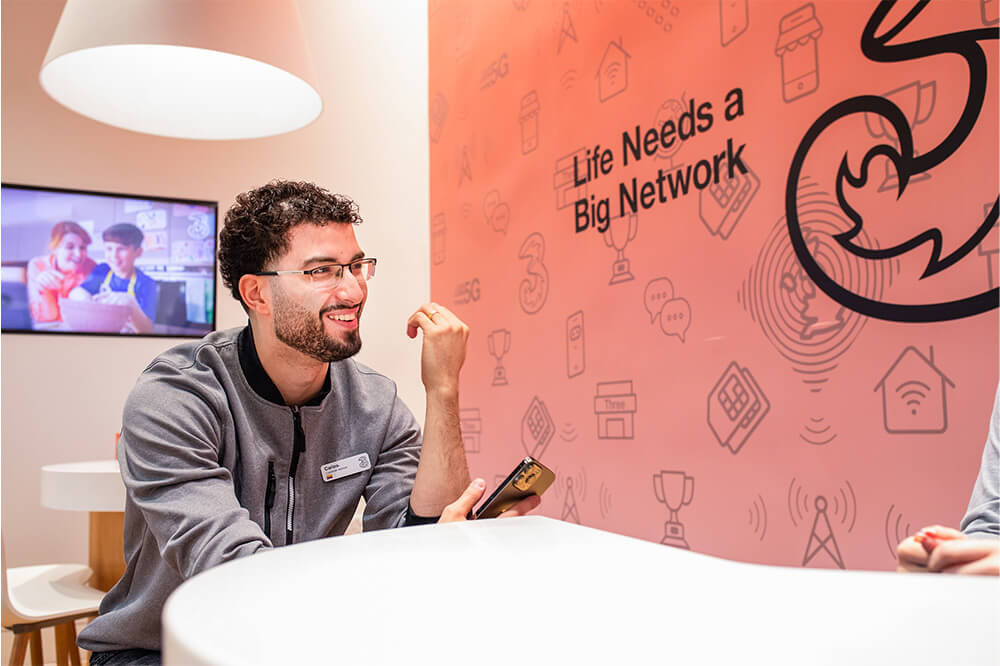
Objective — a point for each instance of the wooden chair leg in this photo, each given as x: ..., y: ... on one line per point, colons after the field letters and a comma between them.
x: 35, y: 640
x: 18, y: 650
x: 74, y: 651
x: 62, y: 649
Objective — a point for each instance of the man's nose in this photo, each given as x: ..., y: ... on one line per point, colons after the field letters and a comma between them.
x: 350, y: 288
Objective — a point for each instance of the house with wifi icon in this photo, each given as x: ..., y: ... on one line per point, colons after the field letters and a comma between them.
x: 913, y: 394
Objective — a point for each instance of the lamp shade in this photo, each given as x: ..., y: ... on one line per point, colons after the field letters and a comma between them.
x: 191, y: 69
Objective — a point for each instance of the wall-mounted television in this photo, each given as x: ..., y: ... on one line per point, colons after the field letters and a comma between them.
x: 80, y: 262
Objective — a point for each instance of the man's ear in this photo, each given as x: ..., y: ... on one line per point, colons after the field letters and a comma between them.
x: 255, y: 293
x: 138, y: 252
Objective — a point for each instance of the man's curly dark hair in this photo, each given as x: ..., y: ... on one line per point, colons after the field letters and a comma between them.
x: 257, y: 226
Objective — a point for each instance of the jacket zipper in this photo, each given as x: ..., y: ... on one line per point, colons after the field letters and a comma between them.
x: 269, y: 497
x: 298, y: 447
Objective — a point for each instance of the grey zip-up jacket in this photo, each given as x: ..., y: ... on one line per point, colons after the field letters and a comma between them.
x: 217, y: 467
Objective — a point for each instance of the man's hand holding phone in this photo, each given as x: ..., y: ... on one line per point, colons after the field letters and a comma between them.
x: 460, y: 508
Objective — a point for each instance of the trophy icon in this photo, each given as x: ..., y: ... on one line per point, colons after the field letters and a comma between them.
x: 499, y: 345
x: 620, y: 231
x: 916, y: 101
x: 675, y: 489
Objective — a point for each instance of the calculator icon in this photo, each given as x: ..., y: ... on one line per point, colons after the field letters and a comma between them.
x: 722, y: 204
x: 736, y: 406
x: 537, y: 428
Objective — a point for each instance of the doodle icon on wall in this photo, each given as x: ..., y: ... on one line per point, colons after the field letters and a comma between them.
x: 467, y: 292
x: 534, y: 289
x: 758, y: 517
x: 670, y: 111
x: 736, y: 406
x: 916, y: 100
x: 499, y: 343
x: 570, y: 512
x: 989, y: 10
x: 621, y: 231
x: 798, y: 37
x: 496, y: 211
x: 566, y: 29
x: 675, y: 490
x: 465, y: 167
x: 801, y: 322
x: 674, y: 313
x: 439, y: 231
x: 612, y: 75
x: 471, y: 425
x: 913, y: 394
x: 895, y: 530
x: 438, y: 114
x: 615, y: 405
x: 563, y: 179
x: 528, y: 118
x: 604, y: 500
x: 821, y: 535
x: 723, y: 203
x: 734, y: 19
x: 537, y: 428
x: 575, y: 352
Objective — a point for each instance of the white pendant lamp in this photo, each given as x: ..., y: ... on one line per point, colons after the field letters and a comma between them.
x: 190, y: 69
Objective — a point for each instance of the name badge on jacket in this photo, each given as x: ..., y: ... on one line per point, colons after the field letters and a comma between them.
x: 345, y: 467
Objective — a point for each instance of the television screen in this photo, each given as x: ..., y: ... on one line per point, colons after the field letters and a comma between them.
x: 99, y: 263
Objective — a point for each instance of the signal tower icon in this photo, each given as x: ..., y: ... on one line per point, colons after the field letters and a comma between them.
x: 570, y: 511
x: 822, y: 536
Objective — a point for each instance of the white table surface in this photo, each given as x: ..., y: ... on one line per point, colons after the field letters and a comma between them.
x: 95, y: 485
x: 539, y: 591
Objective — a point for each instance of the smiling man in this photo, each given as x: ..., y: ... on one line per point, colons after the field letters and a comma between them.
x: 268, y: 435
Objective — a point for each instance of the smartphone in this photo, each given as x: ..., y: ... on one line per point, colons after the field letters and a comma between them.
x: 529, y: 478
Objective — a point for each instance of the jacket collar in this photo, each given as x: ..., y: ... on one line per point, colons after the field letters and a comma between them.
x: 258, y: 378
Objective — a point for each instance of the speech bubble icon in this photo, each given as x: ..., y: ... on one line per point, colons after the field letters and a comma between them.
x: 658, y: 292
x: 675, y: 318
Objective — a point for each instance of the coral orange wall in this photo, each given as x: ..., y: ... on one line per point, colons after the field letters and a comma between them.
x: 805, y: 376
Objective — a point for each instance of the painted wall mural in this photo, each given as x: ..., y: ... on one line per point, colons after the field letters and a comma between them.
x: 730, y: 267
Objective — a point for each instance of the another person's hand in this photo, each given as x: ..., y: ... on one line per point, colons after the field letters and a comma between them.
x: 115, y: 298
x: 80, y: 294
x: 443, y: 352
x: 940, y: 549
x: 460, y: 508
x: 49, y: 279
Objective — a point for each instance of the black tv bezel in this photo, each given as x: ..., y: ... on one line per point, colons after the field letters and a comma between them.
x: 123, y: 195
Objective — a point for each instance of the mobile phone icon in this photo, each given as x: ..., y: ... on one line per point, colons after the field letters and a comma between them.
x: 537, y: 428
x: 575, y: 361
x: 736, y: 406
x: 734, y: 18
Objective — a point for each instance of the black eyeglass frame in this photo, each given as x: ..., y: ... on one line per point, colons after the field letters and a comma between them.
x: 311, y: 271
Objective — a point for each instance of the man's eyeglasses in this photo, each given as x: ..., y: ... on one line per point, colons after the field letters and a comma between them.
x: 329, y: 276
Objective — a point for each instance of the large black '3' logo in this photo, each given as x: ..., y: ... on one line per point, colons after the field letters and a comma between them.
x: 907, y: 164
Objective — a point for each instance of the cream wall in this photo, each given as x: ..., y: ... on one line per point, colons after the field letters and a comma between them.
x: 62, y: 396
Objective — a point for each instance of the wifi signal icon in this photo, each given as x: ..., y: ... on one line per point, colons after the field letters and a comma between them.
x: 895, y: 530
x: 604, y: 500
x: 577, y: 481
x: 758, y: 516
x: 913, y: 393
x: 612, y: 75
x: 914, y: 396
x: 568, y: 80
x: 841, y: 504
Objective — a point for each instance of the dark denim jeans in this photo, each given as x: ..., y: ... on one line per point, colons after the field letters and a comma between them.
x: 126, y: 658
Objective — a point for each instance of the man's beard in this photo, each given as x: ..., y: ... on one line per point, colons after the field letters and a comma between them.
x: 305, y: 332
